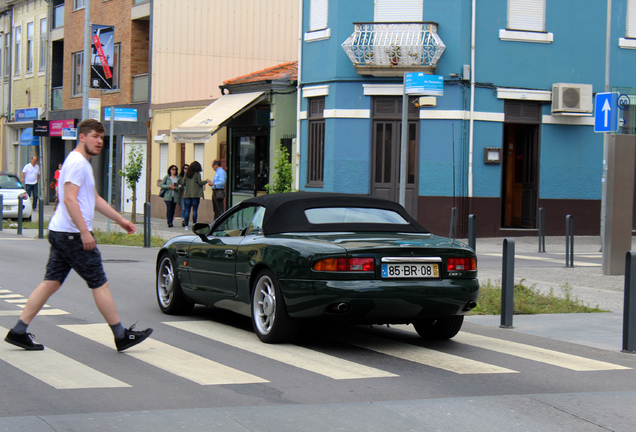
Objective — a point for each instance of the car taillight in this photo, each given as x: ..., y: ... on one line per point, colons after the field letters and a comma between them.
x: 345, y: 264
x: 461, y: 264
x: 24, y: 196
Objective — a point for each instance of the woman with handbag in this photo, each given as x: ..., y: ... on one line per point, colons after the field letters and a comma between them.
x: 181, y: 200
x: 170, y: 187
x: 193, y: 192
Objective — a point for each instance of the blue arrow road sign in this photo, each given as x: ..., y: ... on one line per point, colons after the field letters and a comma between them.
x: 606, y: 112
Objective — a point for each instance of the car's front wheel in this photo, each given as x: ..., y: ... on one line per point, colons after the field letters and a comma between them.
x: 270, y: 320
x: 439, y: 328
x: 170, y: 297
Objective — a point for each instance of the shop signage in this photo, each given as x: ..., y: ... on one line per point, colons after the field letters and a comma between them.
x: 56, y: 126
x: 27, y: 114
x: 40, y: 128
x: 103, y: 56
x: 122, y: 114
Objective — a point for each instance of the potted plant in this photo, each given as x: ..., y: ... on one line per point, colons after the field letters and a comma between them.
x: 394, y: 52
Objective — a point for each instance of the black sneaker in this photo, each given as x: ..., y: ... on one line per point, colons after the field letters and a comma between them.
x: 23, y: 340
x: 132, y: 338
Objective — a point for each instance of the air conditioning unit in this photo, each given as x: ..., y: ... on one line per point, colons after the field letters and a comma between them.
x: 572, y: 99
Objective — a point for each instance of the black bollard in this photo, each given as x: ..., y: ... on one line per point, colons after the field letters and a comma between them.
x: 453, y: 226
x: 40, y: 218
x: 1, y: 215
x: 507, y: 283
x: 20, y: 201
x: 569, y: 241
x: 541, y: 219
x: 147, y: 225
x: 629, y: 306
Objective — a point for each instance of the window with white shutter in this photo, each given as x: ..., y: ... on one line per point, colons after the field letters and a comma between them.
x: 528, y: 15
x: 399, y: 10
x: 318, y: 23
x: 526, y: 22
x: 629, y: 41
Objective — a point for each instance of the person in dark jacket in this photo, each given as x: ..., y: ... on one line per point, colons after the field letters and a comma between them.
x: 171, y: 187
x: 193, y: 192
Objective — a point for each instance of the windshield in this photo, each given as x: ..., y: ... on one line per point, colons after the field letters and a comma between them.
x: 9, y: 181
x: 331, y: 215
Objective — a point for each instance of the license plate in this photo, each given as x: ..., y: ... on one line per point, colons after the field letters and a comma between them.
x: 7, y: 208
x: 410, y: 270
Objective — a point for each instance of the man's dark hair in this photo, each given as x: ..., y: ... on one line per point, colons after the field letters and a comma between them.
x: 216, y: 162
x: 89, y: 125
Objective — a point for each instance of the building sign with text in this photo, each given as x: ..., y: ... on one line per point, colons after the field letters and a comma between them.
x: 102, y: 56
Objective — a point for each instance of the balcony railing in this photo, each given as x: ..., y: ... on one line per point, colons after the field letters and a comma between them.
x: 390, y: 49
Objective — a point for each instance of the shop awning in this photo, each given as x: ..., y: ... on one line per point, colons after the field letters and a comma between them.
x: 200, y: 127
x: 27, y: 138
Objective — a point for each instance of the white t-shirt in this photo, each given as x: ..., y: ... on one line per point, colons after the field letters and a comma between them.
x: 31, y: 173
x: 76, y: 169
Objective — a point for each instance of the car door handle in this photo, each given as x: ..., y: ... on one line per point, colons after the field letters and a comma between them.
x: 181, y: 252
x: 229, y: 252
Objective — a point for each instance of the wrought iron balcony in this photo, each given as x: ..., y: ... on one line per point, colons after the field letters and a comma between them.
x: 390, y: 49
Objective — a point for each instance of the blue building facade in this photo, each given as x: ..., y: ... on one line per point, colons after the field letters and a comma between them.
x: 513, y: 130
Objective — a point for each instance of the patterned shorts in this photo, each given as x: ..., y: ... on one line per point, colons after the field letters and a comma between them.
x: 66, y: 253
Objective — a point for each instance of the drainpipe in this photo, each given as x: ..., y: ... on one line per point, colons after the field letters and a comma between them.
x: 471, y: 132
x: 298, y: 92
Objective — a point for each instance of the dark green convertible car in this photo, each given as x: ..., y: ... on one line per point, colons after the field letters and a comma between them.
x: 284, y: 258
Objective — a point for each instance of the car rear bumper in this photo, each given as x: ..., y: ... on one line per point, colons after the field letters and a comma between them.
x: 10, y: 211
x: 379, y: 302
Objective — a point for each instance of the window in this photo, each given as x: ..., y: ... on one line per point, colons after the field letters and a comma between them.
x: 115, y: 70
x: 340, y: 215
x: 629, y: 41
x: 526, y: 22
x: 528, y: 15
x: 43, y: 43
x: 78, y: 4
x: 29, y: 47
x: 78, y: 64
x: 316, y: 150
x: 18, y: 49
x: 236, y: 225
x: 398, y: 10
x: 1, y: 57
x: 6, y: 60
x: 318, y: 12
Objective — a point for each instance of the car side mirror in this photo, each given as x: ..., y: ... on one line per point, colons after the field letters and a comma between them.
x: 201, y: 229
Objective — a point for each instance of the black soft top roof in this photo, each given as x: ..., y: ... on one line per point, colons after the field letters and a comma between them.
x: 286, y: 212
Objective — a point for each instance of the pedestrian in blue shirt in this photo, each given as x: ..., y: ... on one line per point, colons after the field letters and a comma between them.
x: 218, y: 188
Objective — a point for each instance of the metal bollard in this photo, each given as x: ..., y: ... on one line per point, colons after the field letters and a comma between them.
x: 541, y: 219
x: 507, y: 283
x: 147, y: 225
x: 453, y: 225
x: 20, y: 201
x: 569, y: 241
x: 629, y: 306
x: 1, y: 209
x: 40, y: 218
x: 472, y: 224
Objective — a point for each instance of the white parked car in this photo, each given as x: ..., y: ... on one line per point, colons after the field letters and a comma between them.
x: 11, y: 188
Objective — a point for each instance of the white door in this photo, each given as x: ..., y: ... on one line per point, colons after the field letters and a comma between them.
x: 129, y: 143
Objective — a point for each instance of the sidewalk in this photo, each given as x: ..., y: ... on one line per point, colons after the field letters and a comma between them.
x: 585, y: 281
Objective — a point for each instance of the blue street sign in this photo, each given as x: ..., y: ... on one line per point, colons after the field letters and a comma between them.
x: 424, y: 84
x: 122, y: 114
x: 606, y: 112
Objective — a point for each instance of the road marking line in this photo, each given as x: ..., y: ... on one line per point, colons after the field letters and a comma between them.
x: 171, y: 359
x: 303, y: 358
x: 530, y: 352
x: 55, y: 369
x: 20, y: 300
x: 424, y: 356
x: 43, y: 312
x: 545, y: 259
x: 10, y: 296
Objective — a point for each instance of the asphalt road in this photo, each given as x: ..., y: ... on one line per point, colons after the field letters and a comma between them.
x: 208, y: 371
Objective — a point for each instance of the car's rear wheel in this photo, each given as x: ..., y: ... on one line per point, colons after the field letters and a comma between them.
x: 271, y: 322
x: 170, y: 297
x: 439, y: 328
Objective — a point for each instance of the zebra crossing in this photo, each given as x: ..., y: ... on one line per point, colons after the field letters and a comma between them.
x: 62, y: 372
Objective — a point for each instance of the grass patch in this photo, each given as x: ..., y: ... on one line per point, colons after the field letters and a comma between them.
x: 123, y: 239
x: 102, y: 238
x: 529, y: 300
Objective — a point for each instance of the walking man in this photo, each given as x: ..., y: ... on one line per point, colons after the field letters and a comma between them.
x: 218, y: 188
x: 73, y: 245
x: 30, y: 179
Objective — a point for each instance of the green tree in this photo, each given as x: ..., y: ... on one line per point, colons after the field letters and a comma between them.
x: 132, y: 173
x: 282, y: 178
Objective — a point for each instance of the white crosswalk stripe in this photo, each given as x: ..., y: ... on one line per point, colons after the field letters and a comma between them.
x: 314, y: 361
x: 424, y: 356
x: 174, y: 360
x: 55, y: 369
x: 43, y: 312
x: 577, y: 263
x: 529, y: 352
